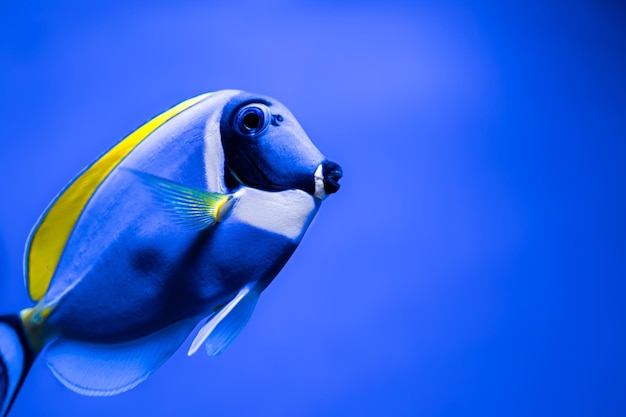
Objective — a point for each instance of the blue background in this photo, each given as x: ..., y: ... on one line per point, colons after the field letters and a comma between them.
x: 473, y: 262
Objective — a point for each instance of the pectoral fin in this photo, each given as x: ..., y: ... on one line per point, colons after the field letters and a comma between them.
x: 195, y: 208
x: 225, y: 325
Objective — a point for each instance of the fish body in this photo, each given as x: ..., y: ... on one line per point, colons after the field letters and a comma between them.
x: 186, y: 220
x: 158, y: 276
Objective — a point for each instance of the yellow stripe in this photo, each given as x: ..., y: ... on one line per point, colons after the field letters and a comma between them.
x: 50, y: 236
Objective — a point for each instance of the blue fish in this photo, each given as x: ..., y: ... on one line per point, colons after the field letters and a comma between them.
x: 185, y: 221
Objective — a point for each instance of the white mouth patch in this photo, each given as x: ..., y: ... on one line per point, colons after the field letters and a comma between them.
x: 319, y: 183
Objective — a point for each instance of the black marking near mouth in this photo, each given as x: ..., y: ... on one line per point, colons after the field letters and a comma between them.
x: 332, y: 173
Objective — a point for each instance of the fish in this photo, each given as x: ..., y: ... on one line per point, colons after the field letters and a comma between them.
x: 179, y: 226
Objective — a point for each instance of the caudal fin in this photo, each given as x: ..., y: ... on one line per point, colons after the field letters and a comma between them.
x: 16, y: 358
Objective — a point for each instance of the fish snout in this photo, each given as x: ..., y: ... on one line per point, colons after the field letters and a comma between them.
x: 327, y: 178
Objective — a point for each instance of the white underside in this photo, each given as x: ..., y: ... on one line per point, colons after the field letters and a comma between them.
x: 287, y: 213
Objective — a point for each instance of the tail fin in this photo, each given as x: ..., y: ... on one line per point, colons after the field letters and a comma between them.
x: 16, y: 358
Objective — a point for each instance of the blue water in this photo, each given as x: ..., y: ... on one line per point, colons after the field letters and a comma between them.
x: 473, y: 262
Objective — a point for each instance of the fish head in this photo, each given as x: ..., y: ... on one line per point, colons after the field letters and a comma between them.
x: 266, y: 148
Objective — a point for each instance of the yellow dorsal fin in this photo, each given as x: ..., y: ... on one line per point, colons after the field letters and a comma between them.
x: 48, y: 238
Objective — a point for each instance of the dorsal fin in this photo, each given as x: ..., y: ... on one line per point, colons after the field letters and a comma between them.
x: 49, y: 236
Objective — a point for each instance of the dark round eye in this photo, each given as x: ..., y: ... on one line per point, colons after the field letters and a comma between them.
x: 252, y: 119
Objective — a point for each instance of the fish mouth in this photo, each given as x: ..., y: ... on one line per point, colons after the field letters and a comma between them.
x: 327, y: 176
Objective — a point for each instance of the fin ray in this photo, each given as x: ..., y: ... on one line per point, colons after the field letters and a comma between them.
x: 197, y: 209
x: 224, y: 326
x: 107, y: 369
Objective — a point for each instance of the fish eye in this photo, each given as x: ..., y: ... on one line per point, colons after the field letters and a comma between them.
x: 252, y: 119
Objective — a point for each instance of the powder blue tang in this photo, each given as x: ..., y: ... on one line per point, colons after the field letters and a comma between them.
x: 185, y: 221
